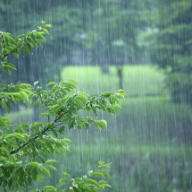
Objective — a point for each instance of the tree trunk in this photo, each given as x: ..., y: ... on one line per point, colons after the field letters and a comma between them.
x: 120, y: 75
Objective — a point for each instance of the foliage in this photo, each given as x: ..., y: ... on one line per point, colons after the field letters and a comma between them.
x: 19, y: 17
x: 25, y: 148
x: 172, y: 47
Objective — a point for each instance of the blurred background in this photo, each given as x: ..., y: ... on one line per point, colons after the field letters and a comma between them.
x: 141, y: 46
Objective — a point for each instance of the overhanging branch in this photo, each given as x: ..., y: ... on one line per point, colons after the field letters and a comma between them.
x: 37, y: 136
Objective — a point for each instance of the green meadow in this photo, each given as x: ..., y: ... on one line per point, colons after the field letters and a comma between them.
x: 138, y: 80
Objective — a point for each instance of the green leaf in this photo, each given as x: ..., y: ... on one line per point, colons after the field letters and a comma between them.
x: 101, y: 162
x: 36, y: 124
x: 94, y: 110
x: 40, y: 36
x: 98, y: 174
x: 43, y: 22
x: 45, y: 31
x: 20, y: 36
x: 66, y: 174
x: 48, y: 25
x: 7, y: 70
x: 93, y: 182
x: 16, y: 54
x: 51, y: 167
x: 103, y: 123
x: 106, y: 94
x: 45, y: 171
x: 10, y: 65
x: 51, y: 83
x: 24, y: 95
x: 6, y: 39
x: 114, y: 99
x: 61, y: 129
x: 120, y: 90
x: 49, y: 189
x: 4, y: 150
x: 51, y: 161
x: 104, y: 173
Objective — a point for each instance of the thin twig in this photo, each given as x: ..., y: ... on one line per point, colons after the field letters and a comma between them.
x: 42, y: 132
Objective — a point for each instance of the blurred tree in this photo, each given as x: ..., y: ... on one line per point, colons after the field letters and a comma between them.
x: 173, y: 46
x: 112, y: 34
x: 85, y: 31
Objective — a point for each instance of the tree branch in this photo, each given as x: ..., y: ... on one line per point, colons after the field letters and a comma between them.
x: 42, y: 132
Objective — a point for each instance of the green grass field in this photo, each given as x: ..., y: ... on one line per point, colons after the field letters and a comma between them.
x: 138, y: 80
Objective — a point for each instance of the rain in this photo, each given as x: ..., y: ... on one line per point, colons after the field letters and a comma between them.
x: 143, y: 47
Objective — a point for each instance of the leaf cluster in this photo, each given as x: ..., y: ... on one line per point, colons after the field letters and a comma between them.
x: 93, y: 181
x: 25, y: 148
x: 19, y: 45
